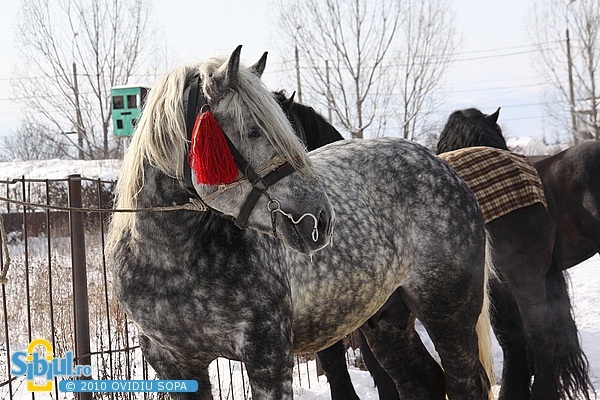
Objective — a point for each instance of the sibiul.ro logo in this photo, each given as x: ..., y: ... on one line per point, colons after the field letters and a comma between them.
x: 40, y: 367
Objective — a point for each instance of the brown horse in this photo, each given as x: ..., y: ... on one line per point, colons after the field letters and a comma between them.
x: 573, y: 177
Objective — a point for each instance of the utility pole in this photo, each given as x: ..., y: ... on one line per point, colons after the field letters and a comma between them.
x: 298, y: 83
x: 329, y: 100
x: 79, y: 120
x: 571, y: 91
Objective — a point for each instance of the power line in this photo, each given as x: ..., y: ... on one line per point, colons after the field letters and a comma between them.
x: 530, y: 48
x: 511, y: 87
x: 434, y: 59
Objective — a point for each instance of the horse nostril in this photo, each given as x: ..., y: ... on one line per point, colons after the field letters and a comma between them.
x: 324, y: 222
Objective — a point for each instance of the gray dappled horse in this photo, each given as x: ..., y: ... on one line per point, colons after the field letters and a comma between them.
x: 408, y: 236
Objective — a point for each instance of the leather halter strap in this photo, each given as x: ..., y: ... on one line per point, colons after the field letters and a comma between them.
x: 259, y: 185
x: 195, y: 102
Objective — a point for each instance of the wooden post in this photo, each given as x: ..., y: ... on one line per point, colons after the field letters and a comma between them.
x: 80, y: 293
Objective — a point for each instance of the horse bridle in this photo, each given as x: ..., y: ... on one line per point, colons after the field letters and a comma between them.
x: 280, y: 169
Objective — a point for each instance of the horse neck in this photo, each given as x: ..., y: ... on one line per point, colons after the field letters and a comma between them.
x: 160, y: 190
x: 450, y: 141
x: 498, y: 143
x: 318, y: 131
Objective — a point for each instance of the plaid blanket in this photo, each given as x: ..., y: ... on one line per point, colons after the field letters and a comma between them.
x: 502, y: 181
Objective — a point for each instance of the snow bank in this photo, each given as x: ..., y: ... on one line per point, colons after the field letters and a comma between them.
x: 59, y: 169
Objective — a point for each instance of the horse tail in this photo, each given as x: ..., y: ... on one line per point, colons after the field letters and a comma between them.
x: 572, y: 366
x: 484, y: 326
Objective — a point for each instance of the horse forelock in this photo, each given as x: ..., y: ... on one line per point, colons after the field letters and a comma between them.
x: 251, y: 96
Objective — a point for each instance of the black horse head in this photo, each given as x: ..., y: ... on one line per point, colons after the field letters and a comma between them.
x: 469, y: 128
x: 310, y: 126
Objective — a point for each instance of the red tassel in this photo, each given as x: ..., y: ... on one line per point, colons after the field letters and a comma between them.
x: 210, y: 157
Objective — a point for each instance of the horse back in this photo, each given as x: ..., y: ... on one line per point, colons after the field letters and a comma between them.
x: 572, y: 176
x: 501, y: 180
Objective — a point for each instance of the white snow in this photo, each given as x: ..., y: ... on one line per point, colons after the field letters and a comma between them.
x: 533, y: 146
x: 59, y: 169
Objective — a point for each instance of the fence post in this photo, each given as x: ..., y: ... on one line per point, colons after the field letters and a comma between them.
x: 80, y: 294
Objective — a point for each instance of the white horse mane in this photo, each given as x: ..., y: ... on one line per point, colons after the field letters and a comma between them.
x: 161, y: 140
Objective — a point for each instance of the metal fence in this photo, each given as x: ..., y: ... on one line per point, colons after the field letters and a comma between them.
x: 60, y: 288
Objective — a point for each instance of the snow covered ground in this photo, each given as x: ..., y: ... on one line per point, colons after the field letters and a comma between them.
x: 59, y: 169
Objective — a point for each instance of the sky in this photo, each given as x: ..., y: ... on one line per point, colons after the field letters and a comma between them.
x: 493, y: 69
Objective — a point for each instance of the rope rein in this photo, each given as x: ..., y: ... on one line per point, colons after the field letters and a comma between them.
x: 191, y: 205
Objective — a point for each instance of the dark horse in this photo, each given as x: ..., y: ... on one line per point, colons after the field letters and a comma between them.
x: 408, y: 235
x: 309, y: 125
x: 572, y: 176
x: 533, y: 319
x: 533, y: 312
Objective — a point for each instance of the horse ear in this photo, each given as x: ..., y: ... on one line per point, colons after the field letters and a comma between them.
x: 287, y: 103
x: 233, y: 66
x: 494, y: 117
x: 260, y: 65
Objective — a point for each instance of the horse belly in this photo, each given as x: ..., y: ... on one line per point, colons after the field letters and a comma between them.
x: 333, y: 298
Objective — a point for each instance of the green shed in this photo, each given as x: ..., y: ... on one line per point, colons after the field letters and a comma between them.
x: 127, y: 104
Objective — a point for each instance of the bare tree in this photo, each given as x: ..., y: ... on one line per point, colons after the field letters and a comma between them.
x: 428, y: 35
x: 567, y: 34
x: 73, y: 52
x: 370, y: 64
x: 31, y: 142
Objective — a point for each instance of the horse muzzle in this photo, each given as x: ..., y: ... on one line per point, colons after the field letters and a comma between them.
x: 306, y: 233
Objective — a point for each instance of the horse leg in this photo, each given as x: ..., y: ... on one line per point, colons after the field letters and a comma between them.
x: 170, y: 367
x: 538, y: 324
x: 526, y: 279
x: 457, y: 346
x: 508, y: 327
x: 340, y: 385
x: 449, y: 307
x: 384, y: 383
x: 400, y: 351
x: 522, y: 256
x: 552, y: 360
x: 269, y: 360
x: 335, y: 368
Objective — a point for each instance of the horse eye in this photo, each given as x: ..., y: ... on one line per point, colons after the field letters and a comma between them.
x: 254, y: 133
